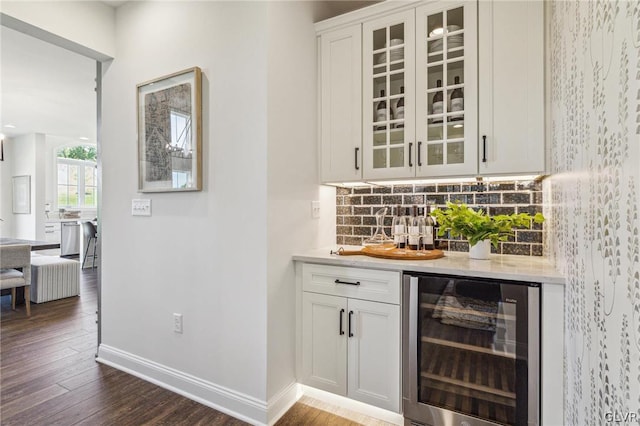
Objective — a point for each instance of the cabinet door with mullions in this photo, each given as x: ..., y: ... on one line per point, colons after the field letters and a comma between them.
x: 446, y: 89
x: 389, y: 96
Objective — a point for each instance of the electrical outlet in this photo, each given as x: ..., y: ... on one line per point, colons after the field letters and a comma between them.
x: 177, y: 323
x: 315, y: 209
x: 141, y: 207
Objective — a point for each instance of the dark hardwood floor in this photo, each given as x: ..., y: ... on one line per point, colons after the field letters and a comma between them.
x: 49, y: 376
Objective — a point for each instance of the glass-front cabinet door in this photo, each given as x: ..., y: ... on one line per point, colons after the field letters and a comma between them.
x: 446, y: 89
x: 388, y: 94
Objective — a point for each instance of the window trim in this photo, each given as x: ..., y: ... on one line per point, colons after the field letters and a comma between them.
x: 81, y: 182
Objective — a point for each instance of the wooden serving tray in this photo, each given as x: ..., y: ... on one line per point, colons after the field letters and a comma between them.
x: 390, y: 251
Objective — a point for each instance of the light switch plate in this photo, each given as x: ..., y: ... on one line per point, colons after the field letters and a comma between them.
x: 140, y: 207
x: 315, y: 209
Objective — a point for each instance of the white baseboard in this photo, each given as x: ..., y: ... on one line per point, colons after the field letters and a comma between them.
x: 281, y: 402
x: 353, y: 405
x: 236, y: 404
x: 233, y: 403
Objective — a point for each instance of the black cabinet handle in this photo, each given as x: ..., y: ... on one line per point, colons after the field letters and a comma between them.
x: 350, y: 314
x: 484, y: 148
x: 340, y: 329
x: 419, y: 154
x: 346, y: 282
x: 410, y: 150
x: 356, y: 158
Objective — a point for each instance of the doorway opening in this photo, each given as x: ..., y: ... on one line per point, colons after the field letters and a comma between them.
x: 50, y: 125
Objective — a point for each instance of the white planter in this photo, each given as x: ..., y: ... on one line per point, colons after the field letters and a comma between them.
x: 481, y: 250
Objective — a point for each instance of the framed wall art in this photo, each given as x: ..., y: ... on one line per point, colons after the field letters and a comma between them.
x: 22, y: 194
x: 170, y: 133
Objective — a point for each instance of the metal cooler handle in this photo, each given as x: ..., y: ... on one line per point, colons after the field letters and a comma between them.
x: 411, y: 342
x: 534, y: 355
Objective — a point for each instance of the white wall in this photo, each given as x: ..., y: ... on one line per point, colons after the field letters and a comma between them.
x: 38, y: 198
x: 205, y: 254
x: 292, y: 178
x: 27, y: 159
x: 202, y: 254
x: 86, y: 27
x: 6, y: 195
x: 593, y: 199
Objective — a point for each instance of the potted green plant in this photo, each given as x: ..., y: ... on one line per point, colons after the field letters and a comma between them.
x: 479, y: 228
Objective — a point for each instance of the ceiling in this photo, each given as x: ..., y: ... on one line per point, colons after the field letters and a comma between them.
x: 334, y: 7
x: 338, y: 7
x: 114, y: 3
x: 45, y: 89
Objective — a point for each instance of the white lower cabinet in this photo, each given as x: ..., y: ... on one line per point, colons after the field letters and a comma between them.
x: 351, y: 347
x: 52, y: 232
x: 373, y: 355
x: 324, y: 343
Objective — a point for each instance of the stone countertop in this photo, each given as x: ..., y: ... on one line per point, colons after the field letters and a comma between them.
x: 507, y: 267
x: 78, y: 219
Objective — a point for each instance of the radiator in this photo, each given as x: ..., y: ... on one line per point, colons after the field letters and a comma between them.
x: 54, y: 278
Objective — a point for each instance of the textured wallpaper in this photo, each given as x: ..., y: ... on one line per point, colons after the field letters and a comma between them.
x: 592, y: 202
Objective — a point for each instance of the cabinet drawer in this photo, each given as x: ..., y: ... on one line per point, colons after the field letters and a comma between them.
x: 366, y: 284
x: 52, y: 232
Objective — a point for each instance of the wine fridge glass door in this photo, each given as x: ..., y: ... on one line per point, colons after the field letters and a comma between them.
x: 472, y: 348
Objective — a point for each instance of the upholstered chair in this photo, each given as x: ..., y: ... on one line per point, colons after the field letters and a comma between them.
x: 15, y: 271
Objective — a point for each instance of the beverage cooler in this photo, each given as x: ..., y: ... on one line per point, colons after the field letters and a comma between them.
x: 470, y: 351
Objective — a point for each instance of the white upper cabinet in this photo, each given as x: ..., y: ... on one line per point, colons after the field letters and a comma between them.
x: 419, y: 71
x: 388, y: 101
x: 341, y: 105
x: 511, y: 99
x: 446, y: 89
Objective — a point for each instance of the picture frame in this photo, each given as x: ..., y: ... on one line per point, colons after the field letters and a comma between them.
x: 22, y: 194
x: 170, y: 132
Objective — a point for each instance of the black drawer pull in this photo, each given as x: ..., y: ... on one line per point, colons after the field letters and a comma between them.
x: 340, y: 329
x: 410, y: 151
x: 484, y: 148
x: 347, y: 282
x: 350, y: 314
